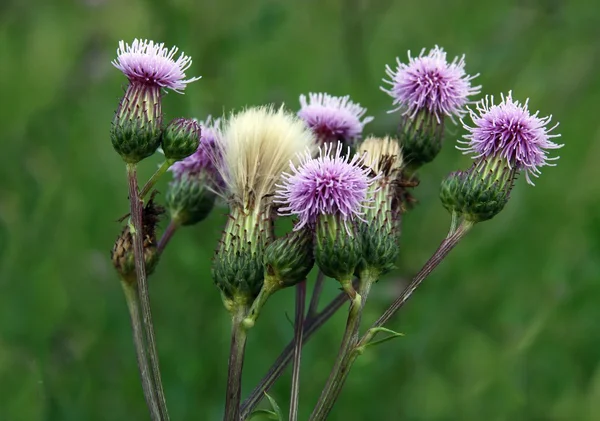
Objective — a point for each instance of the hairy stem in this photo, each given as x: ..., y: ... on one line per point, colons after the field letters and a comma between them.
x: 140, y: 349
x: 142, y: 285
x: 236, y: 365
x: 152, y: 181
x: 298, y: 332
x: 311, y: 325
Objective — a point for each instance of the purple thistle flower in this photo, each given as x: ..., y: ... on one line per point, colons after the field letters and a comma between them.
x: 429, y: 82
x: 149, y: 63
x: 331, y: 184
x: 203, y: 160
x: 333, y: 118
x: 508, y: 130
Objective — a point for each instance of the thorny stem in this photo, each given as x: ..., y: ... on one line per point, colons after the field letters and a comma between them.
x: 338, y: 374
x: 142, y: 286
x: 152, y: 181
x: 298, y: 331
x: 236, y: 364
x: 456, y: 234
x: 166, y: 237
x: 311, y: 325
x: 140, y: 350
x: 316, y: 294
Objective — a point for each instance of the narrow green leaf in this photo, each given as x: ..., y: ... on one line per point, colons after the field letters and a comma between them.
x: 276, y: 409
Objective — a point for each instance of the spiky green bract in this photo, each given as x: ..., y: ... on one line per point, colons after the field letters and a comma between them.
x: 238, y: 263
x: 289, y: 259
x: 137, y: 125
x: 338, y: 247
x: 180, y: 138
x: 189, y: 198
x: 421, y: 138
x: 481, y: 192
x: 381, y: 230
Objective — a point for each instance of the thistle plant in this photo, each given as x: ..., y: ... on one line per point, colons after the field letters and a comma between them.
x: 344, y: 198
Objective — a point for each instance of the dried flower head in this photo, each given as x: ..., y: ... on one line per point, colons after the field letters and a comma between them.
x: 333, y: 118
x: 332, y: 184
x: 429, y: 82
x: 509, y: 131
x: 205, y: 157
x: 147, y: 62
x: 382, y: 155
x: 257, y: 146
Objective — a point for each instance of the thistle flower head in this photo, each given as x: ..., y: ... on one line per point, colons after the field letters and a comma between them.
x: 331, y: 184
x: 508, y: 130
x: 150, y: 63
x: 382, y: 155
x: 333, y: 118
x: 429, y: 82
x: 257, y: 146
x: 204, y: 159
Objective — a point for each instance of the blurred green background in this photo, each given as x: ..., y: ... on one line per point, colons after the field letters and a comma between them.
x: 506, y: 329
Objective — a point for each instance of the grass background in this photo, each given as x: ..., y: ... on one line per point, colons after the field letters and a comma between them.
x: 505, y: 329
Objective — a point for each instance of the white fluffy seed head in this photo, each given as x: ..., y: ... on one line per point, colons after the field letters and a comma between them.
x: 257, y: 146
x: 382, y: 154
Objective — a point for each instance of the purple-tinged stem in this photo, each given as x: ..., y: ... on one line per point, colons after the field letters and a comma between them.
x: 167, y: 235
x: 236, y: 365
x: 313, y: 307
x: 298, y: 333
x: 136, y: 207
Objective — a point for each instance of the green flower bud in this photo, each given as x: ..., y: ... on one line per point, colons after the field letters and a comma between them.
x: 421, y: 139
x: 481, y: 192
x: 238, y: 263
x: 189, y: 199
x: 289, y: 259
x: 338, y: 249
x: 180, y: 138
x: 137, y: 124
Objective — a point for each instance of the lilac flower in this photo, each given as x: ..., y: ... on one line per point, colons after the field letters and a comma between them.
x: 333, y: 118
x: 203, y: 160
x: 146, y: 62
x: 331, y: 184
x: 508, y: 130
x: 429, y: 82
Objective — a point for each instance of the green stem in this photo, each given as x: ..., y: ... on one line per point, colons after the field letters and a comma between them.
x: 270, y: 286
x: 298, y: 332
x: 140, y: 349
x: 311, y: 325
x: 236, y: 364
x: 152, y: 181
x: 142, y: 285
x: 445, y: 247
x: 342, y: 364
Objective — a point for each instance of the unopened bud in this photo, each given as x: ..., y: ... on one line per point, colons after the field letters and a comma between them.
x: 137, y: 124
x: 189, y: 198
x: 480, y: 192
x: 289, y: 259
x: 180, y: 138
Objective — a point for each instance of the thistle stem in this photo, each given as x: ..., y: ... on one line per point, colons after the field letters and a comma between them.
x: 341, y: 366
x: 140, y: 349
x: 311, y: 325
x: 316, y: 294
x: 142, y: 286
x: 445, y: 247
x: 152, y: 181
x: 236, y: 364
x: 166, y: 236
x: 270, y: 286
x: 298, y: 332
